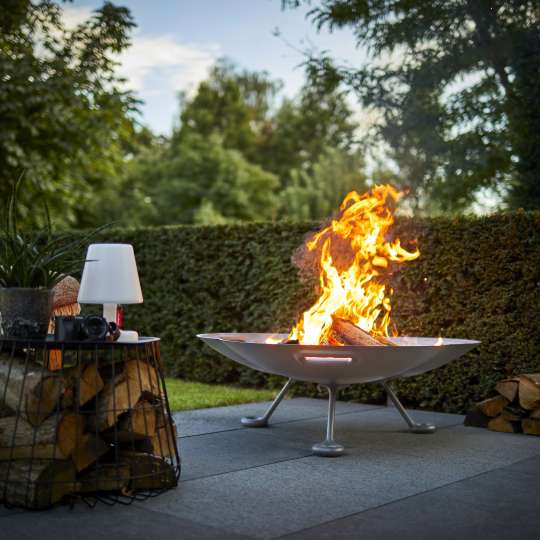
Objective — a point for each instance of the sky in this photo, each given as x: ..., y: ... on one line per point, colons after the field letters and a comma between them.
x: 177, y: 42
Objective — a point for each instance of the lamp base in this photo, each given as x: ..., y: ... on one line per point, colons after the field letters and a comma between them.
x: 109, y: 312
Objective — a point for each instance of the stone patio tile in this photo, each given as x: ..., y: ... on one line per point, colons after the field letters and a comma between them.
x: 382, y: 429
x: 284, y: 497
x: 529, y: 466
x: 226, y: 451
x: 106, y: 523
x: 201, y: 421
x: 497, y: 505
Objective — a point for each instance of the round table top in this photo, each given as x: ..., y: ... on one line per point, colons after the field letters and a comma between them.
x: 50, y: 343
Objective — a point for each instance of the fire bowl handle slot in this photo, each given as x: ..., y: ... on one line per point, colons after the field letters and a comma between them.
x: 328, y: 360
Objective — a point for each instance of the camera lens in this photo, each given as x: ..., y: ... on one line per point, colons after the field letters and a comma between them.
x: 94, y: 328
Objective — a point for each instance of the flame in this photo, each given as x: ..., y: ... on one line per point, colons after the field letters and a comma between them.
x: 355, y: 292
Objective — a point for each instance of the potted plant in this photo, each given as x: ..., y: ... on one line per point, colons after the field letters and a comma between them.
x: 31, y: 263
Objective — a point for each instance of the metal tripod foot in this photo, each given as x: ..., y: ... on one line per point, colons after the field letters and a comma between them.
x: 329, y: 447
x: 414, y: 427
x: 262, y: 421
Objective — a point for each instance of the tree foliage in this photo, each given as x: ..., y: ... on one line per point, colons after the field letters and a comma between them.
x: 240, y: 155
x: 317, y: 193
x: 456, y: 84
x: 194, y: 179
x: 62, y: 109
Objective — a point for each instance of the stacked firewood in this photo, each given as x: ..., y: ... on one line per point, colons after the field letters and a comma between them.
x: 516, y: 408
x: 97, y: 426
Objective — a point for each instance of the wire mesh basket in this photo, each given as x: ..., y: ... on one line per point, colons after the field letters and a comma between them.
x: 81, y: 420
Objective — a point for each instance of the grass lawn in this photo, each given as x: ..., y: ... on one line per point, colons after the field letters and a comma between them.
x: 186, y: 395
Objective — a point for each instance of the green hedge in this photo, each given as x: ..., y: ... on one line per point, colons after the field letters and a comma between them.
x: 476, y: 278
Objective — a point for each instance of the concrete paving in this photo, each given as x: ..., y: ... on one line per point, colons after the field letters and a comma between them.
x: 264, y: 483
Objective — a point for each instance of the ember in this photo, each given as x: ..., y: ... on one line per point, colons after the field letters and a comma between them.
x: 354, y: 257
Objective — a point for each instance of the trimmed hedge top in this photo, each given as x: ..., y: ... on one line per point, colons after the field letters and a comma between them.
x: 476, y: 278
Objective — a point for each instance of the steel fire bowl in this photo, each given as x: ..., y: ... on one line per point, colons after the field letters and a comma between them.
x: 330, y: 365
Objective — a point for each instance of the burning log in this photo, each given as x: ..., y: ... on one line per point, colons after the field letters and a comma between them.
x: 29, y: 388
x: 516, y: 409
x: 352, y: 255
x: 350, y: 334
x: 36, y: 483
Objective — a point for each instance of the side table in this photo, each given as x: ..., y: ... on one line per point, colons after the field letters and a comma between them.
x: 84, y: 420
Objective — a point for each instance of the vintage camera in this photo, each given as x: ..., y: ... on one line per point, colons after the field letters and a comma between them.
x: 83, y: 328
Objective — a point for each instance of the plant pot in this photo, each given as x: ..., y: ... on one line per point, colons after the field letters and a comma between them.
x: 25, y: 313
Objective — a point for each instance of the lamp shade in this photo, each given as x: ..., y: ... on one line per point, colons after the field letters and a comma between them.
x: 110, y: 276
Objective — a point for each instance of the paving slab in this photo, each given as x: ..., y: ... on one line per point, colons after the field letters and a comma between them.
x: 280, y: 498
x: 104, y: 523
x: 202, y: 421
x: 498, y: 505
x: 227, y: 451
x: 263, y: 483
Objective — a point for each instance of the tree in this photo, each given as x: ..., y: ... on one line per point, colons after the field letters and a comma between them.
x: 234, y: 104
x: 62, y: 110
x: 303, y: 128
x: 316, y: 194
x: 196, y: 180
x: 240, y: 107
x: 457, y: 87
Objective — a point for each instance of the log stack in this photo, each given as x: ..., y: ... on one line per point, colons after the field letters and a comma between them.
x: 515, y: 408
x: 96, y: 426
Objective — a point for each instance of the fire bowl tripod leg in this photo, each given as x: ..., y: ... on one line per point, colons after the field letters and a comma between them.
x: 413, y: 426
x: 262, y: 421
x: 329, y: 447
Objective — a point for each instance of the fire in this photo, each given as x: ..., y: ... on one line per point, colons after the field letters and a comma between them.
x: 354, y: 291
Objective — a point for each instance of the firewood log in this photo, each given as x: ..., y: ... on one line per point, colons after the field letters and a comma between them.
x: 29, y: 389
x: 492, y: 406
x: 55, y: 438
x: 162, y: 444
x: 531, y: 426
x: 85, y: 382
x: 508, y: 388
x: 476, y: 418
x: 105, y: 477
x: 36, y: 483
x: 529, y: 391
x: 164, y: 441
x: 535, y: 414
x: 139, y: 423
x: 350, y: 334
x: 514, y: 414
x: 120, y: 394
x: 89, y: 448
x: 148, y: 471
x: 505, y: 426
x: 141, y: 420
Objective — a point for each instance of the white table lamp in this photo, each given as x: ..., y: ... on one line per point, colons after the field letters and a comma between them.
x: 110, y: 278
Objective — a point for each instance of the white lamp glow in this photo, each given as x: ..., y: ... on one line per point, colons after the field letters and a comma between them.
x: 110, y: 277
